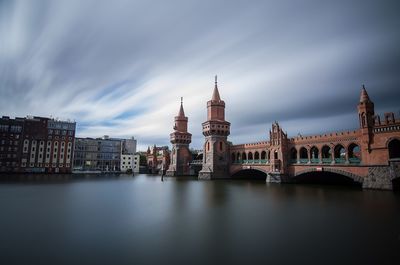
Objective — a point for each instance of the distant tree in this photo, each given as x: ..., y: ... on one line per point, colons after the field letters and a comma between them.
x: 143, y: 160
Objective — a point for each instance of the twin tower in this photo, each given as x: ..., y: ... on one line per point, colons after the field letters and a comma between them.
x: 215, y: 149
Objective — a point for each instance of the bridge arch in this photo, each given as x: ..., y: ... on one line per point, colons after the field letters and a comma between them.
x: 354, y: 177
x: 303, y: 153
x: 314, y: 153
x: 293, y: 153
x: 326, y: 152
x: 393, y: 146
x: 250, y: 173
x: 340, y: 151
x: 354, y: 153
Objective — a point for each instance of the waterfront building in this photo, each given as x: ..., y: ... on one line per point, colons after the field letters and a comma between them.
x: 158, y: 159
x: 130, y: 162
x: 97, y: 154
x: 369, y: 155
x: 128, y: 146
x: 36, y: 144
x: 180, y: 139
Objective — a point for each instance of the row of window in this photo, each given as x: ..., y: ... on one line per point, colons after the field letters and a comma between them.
x: 12, y: 128
x: 10, y: 142
x: 58, y: 132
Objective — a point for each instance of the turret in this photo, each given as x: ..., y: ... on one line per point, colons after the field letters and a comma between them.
x: 366, y: 118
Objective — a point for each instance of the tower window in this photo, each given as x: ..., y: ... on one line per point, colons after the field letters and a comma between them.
x: 220, y: 146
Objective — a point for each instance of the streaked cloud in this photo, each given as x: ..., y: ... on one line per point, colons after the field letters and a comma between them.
x: 120, y: 67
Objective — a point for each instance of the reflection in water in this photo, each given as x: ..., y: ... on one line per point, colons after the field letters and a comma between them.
x: 125, y: 219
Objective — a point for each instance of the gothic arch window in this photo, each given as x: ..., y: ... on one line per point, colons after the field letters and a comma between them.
x: 293, y: 153
x: 263, y: 155
x: 303, y: 153
x: 394, y: 149
x: 314, y: 152
x: 340, y: 152
x: 221, y: 146
x: 250, y: 156
x: 354, y: 153
x: 326, y: 152
x: 244, y: 157
x: 276, y: 154
x: 208, y: 146
x: 256, y: 155
x: 238, y: 157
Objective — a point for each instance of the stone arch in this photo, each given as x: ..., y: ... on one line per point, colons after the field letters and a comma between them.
x: 354, y: 153
x: 238, y: 170
x: 339, y: 153
x: 314, y: 153
x: 352, y: 176
x: 303, y: 153
x: 250, y: 156
x: 263, y: 155
x: 256, y: 155
x: 244, y: 156
x: 293, y: 154
x: 238, y: 157
x: 393, y: 146
x: 326, y: 152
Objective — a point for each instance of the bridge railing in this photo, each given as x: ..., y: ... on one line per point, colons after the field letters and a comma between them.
x: 303, y: 160
x: 340, y: 160
x: 354, y: 160
x: 326, y: 160
x: 315, y: 161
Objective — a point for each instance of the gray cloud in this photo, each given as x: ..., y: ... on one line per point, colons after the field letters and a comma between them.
x: 120, y: 68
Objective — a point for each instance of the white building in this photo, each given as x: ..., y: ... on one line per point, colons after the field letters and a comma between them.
x: 130, y: 162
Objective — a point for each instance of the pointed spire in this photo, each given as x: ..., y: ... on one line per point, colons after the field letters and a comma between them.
x: 364, y: 95
x: 215, y: 96
x: 181, y: 111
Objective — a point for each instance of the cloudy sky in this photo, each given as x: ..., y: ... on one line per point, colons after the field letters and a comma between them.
x: 120, y: 67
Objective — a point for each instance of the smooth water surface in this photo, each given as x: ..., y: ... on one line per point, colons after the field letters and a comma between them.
x: 141, y: 220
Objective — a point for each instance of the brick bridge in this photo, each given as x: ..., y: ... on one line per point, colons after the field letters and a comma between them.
x: 369, y: 155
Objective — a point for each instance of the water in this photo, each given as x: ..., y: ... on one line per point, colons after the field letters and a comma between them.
x: 141, y: 220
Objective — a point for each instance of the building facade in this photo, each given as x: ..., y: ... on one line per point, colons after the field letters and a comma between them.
x: 130, y: 162
x: 158, y: 159
x: 36, y: 144
x: 180, y: 139
x: 97, y: 154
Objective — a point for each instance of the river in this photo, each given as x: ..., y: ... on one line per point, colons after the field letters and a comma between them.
x: 142, y: 220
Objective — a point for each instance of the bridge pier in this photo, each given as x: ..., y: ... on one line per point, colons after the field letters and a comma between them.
x: 273, y: 177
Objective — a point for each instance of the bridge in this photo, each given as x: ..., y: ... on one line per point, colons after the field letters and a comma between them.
x: 373, y: 164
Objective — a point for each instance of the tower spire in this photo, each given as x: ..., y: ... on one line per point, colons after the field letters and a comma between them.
x: 364, y: 95
x: 181, y: 111
x: 215, y: 96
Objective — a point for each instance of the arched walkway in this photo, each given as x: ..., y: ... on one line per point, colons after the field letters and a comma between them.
x: 354, y: 152
x: 249, y: 174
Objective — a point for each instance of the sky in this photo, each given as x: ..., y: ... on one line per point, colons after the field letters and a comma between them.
x: 119, y: 68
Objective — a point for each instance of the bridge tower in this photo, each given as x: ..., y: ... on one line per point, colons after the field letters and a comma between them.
x: 216, y: 147
x: 180, y: 139
x: 278, y: 149
x: 366, y: 118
